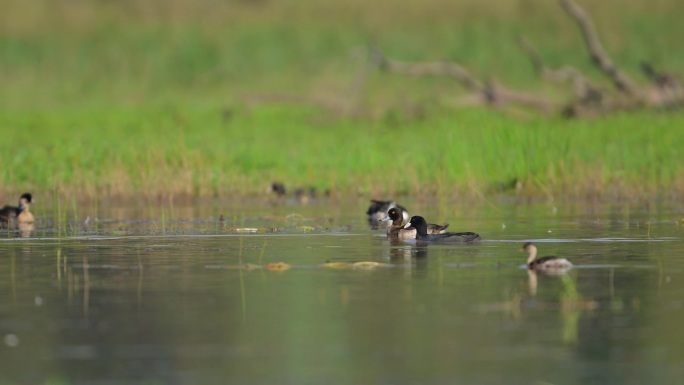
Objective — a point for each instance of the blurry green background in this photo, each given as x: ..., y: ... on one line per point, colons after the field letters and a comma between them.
x: 214, y: 98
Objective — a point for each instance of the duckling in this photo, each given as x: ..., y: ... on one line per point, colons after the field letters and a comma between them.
x: 378, y: 210
x: 397, y: 230
x: 545, y: 263
x: 421, y: 227
x: 10, y: 213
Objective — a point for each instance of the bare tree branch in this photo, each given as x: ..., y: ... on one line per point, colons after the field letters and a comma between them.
x: 492, y: 94
x: 456, y: 71
x: 598, y: 55
x: 533, y: 55
x: 665, y: 91
x: 500, y: 95
x: 585, y: 90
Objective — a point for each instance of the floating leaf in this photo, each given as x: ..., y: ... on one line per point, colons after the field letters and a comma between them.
x: 336, y: 265
x: 278, y: 266
x: 247, y: 230
x: 368, y: 265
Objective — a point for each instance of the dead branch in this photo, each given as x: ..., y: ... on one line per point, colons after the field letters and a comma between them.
x: 665, y: 91
x: 589, y: 99
x: 493, y: 94
x: 533, y: 55
x: 456, y: 71
x: 501, y: 96
x: 434, y: 68
x: 598, y: 55
x: 583, y: 88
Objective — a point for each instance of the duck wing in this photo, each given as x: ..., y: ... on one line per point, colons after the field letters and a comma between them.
x: 437, y: 229
x: 552, y: 263
x: 9, y: 212
x: 542, y: 260
x: 465, y: 237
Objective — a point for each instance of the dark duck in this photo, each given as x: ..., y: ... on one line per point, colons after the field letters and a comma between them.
x: 422, y: 234
x: 397, y: 230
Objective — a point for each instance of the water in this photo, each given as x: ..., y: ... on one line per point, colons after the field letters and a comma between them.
x: 173, y: 295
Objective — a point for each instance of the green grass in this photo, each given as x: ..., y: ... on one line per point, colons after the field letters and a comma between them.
x: 117, y: 99
x: 195, y: 151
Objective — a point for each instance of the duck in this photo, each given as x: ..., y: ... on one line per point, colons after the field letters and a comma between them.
x: 397, y: 230
x: 25, y: 215
x: 544, y: 263
x: 378, y: 210
x: 21, y: 214
x: 421, y: 227
x: 302, y: 195
x: 278, y: 188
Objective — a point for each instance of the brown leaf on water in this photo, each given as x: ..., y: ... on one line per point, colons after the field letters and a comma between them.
x: 278, y: 266
x: 368, y: 265
x: 336, y: 265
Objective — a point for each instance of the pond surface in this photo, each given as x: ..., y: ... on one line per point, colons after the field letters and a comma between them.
x: 309, y: 294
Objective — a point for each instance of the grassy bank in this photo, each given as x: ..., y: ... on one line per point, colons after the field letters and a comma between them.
x: 200, y: 151
x: 170, y: 98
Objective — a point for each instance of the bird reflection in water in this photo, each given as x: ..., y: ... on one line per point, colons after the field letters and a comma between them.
x: 25, y: 229
x: 402, y: 251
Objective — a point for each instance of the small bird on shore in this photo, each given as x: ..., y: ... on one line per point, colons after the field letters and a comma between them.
x: 544, y: 263
x: 397, y: 230
x: 21, y: 214
x: 421, y: 227
x: 278, y: 188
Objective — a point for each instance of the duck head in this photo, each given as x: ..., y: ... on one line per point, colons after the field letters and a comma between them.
x: 532, y: 250
x: 25, y: 197
x: 418, y: 223
x: 396, y: 215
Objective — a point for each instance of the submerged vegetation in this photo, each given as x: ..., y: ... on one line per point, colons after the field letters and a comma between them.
x: 195, y: 98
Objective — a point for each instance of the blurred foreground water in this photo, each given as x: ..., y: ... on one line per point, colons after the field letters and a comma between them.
x: 289, y: 294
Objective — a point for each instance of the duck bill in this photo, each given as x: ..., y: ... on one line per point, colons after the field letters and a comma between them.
x: 385, y: 219
x: 408, y: 225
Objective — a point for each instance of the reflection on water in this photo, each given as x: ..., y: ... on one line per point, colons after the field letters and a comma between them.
x: 407, y: 251
x: 25, y: 229
x: 317, y: 297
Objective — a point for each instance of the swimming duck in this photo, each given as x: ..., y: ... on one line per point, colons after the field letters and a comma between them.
x: 25, y: 215
x: 22, y: 213
x: 421, y: 227
x: 397, y: 230
x: 545, y: 263
x: 378, y: 210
